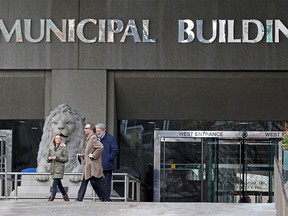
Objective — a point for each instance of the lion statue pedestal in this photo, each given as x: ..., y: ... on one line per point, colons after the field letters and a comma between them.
x: 32, y: 189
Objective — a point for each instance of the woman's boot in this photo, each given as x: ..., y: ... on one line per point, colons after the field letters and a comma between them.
x: 51, y: 198
x: 66, y: 198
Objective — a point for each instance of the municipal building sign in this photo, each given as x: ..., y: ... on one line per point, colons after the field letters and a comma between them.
x: 141, y: 31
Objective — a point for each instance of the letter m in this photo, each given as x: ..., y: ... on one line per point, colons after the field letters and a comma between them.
x: 16, y: 27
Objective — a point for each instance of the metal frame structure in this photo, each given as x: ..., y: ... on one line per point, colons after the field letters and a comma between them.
x: 3, y: 167
x: 281, y: 198
x: 187, y: 136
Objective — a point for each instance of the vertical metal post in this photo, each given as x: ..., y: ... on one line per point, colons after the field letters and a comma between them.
x: 138, y: 191
x: 6, y: 178
x: 243, y: 170
x: 133, y: 188
x: 157, y: 145
x: 217, y: 165
x: 4, y: 162
x: 2, y: 152
x: 164, y: 171
x: 202, y: 169
x: 1, y: 164
x: 16, y: 186
x: 126, y: 186
x: 244, y: 135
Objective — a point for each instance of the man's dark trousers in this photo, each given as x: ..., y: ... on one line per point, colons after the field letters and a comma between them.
x: 98, y: 186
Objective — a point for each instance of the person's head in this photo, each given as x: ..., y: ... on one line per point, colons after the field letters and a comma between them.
x: 57, y: 139
x: 100, y: 129
x: 286, y: 126
x: 89, y: 128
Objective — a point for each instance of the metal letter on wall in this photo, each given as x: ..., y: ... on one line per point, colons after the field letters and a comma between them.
x: 27, y: 32
x: 245, y: 31
x: 112, y: 29
x: 199, y: 24
x: 50, y: 26
x: 188, y: 30
x: 80, y: 30
x: 134, y: 32
x: 16, y: 28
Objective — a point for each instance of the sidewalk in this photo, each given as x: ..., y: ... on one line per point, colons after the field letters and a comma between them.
x: 59, y: 207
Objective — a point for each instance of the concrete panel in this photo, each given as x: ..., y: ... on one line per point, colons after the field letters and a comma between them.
x: 64, y: 55
x: 24, y: 55
x: 22, y: 95
x: 84, y: 90
x: 201, y: 95
x: 48, y: 93
x: 42, y: 55
x: 111, y: 123
x: 167, y: 53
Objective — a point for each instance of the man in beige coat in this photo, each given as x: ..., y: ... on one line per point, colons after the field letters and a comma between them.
x: 93, y: 170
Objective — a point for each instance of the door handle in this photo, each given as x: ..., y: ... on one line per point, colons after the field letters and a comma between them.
x: 204, y: 172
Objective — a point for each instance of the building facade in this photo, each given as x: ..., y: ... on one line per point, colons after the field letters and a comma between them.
x: 141, y: 65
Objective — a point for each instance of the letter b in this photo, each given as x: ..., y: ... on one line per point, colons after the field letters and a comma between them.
x: 182, y: 30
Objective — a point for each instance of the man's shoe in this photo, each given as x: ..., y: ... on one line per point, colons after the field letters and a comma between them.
x: 106, y: 200
x: 51, y: 198
x: 66, y: 198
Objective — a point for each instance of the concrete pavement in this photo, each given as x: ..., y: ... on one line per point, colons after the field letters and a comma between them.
x: 59, y: 207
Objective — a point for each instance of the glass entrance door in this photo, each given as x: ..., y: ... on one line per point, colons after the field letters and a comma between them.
x: 214, y: 166
x: 228, y: 168
x: 200, y: 170
x: 182, y: 170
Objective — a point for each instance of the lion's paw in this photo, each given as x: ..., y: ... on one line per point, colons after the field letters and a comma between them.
x: 42, y: 178
x: 75, y: 178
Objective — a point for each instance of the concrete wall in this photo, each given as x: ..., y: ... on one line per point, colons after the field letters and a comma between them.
x: 186, y: 95
x: 165, y: 54
x: 84, y: 90
x: 22, y: 94
x: 103, y: 80
x: 37, y: 55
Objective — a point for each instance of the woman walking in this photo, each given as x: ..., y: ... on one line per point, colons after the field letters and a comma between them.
x: 57, y: 156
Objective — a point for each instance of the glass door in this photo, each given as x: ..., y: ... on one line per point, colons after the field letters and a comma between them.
x: 214, y: 166
x: 245, y: 170
x: 182, y: 170
x: 229, y: 168
x: 5, y: 149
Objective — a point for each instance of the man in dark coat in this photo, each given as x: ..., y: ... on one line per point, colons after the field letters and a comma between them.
x: 93, y: 170
x: 108, y: 155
